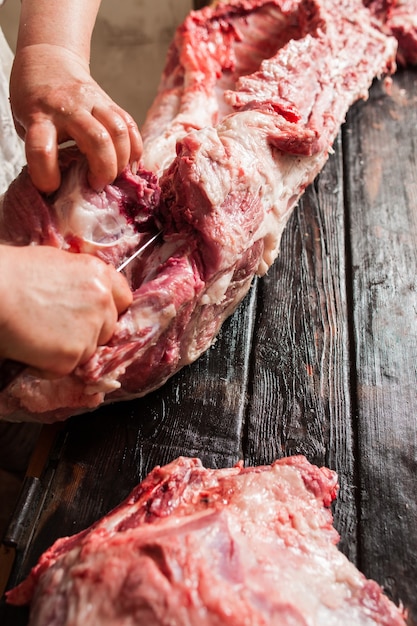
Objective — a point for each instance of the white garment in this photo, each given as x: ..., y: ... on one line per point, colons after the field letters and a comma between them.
x: 12, y: 152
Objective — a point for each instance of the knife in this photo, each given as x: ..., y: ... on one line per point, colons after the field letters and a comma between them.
x: 10, y: 369
x: 138, y: 252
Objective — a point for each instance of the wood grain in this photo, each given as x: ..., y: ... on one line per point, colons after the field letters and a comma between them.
x: 319, y: 359
x: 300, y: 376
x: 380, y: 149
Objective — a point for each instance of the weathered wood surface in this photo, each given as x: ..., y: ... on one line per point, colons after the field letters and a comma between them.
x: 381, y: 191
x: 319, y: 359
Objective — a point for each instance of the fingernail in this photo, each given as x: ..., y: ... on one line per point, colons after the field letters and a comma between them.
x: 134, y: 167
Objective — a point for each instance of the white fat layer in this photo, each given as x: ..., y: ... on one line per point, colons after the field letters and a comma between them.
x: 96, y: 225
x: 200, y: 112
x: 216, y: 292
x: 237, y: 157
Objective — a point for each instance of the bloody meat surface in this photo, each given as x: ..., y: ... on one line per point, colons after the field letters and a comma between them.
x: 205, y: 547
x: 251, y: 100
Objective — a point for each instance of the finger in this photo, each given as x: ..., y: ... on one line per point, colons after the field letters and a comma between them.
x: 41, y: 144
x: 136, y: 144
x: 43, y: 373
x: 118, y: 130
x: 55, y: 365
x: 122, y: 294
x: 108, y: 328
x: 94, y: 140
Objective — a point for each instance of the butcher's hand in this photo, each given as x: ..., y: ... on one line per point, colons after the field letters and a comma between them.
x: 57, y: 307
x: 54, y: 99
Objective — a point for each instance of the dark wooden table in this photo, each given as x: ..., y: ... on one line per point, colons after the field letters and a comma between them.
x: 320, y: 359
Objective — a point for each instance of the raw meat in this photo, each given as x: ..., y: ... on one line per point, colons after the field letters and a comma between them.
x: 399, y: 18
x: 109, y: 225
x: 195, y: 546
x: 234, y: 141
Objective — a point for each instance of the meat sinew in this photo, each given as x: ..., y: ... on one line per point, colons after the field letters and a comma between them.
x: 252, y: 97
x: 195, y: 546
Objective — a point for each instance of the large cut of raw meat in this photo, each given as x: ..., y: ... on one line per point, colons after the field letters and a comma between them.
x: 399, y: 18
x: 199, y: 547
x: 251, y: 100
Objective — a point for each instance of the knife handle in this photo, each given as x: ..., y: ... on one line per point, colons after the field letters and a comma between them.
x: 9, y: 370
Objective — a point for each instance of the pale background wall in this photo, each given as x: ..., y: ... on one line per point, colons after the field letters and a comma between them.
x: 129, y: 45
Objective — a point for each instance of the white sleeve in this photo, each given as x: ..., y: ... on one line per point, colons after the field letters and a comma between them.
x: 12, y: 153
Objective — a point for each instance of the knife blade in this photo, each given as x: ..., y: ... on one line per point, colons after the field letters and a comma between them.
x: 138, y: 252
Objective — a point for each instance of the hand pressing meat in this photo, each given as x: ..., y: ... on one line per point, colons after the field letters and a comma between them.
x: 57, y: 307
x: 250, y: 102
x: 54, y: 98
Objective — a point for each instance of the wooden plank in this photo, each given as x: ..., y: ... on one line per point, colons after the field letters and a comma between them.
x: 381, y: 148
x: 300, y: 397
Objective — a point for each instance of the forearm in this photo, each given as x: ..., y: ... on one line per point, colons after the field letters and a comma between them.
x: 54, y: 98
x: 65, y: 23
